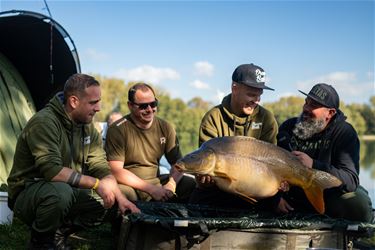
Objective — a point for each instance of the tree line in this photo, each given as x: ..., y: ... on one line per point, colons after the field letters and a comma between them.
x: 186, y: 116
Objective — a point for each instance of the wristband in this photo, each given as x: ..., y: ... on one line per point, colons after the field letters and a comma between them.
x: 96, y: 185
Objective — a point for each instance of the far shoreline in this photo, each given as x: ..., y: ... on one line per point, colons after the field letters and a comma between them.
x: 367, y: 137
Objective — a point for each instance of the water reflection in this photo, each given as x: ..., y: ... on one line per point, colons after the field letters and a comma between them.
x: 367, y: 172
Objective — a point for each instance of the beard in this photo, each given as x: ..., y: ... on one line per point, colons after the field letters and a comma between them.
x: 307, y: 126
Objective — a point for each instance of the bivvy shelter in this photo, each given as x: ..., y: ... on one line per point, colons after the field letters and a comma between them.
x: 37, y: 56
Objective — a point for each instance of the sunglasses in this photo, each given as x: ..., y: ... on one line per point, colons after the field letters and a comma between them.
x: 143, y: 106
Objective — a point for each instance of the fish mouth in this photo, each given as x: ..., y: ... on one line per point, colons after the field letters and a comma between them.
x: 179, y: 166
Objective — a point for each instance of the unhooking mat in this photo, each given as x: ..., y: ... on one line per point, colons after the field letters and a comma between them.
x: 191, y: 226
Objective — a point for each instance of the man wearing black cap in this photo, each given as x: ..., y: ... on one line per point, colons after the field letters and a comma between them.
x: 238, y: 114
x: 322, y: 139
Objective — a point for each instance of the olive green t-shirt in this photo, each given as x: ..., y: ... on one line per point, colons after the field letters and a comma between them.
x: 141, y: 149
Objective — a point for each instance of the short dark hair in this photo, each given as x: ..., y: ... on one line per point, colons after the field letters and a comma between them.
x: 77, y: 83
x: 142, y: 86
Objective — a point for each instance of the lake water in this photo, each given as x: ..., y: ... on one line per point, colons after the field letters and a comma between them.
x: 367, y: 171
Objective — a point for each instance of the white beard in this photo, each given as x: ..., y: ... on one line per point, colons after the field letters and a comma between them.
x: 305, y: 128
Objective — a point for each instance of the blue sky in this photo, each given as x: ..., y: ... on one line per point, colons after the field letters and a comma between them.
x: 190, y: 48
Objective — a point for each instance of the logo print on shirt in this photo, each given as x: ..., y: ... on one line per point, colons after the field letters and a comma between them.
x: 256, y: 125
x: 86, y: 140
x: 163, y: 140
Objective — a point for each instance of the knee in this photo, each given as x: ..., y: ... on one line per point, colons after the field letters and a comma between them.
x: 187, y: 182
x: 354, y: 206
x: 129, y: 192
x: 185, y: 187
x: 60, y: 196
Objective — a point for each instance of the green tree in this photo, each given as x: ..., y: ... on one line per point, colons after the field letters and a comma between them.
x: 286, y: 107
x: 113, y: 92
x: 368, y: 114
x: 199, y: 103
x: 186, y: 117
x: 354, y: 117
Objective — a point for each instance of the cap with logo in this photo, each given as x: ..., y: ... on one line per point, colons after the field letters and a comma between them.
x: 250, y: 75
x: 324, y: 94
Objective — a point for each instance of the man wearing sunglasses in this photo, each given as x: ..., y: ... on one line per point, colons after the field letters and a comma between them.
x: 135, y: 145
x: 322, y: 139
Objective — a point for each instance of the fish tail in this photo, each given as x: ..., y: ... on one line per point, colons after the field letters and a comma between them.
x: 315, y: 195
x: 315, y: 192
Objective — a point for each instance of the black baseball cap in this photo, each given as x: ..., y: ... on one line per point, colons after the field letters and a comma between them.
x: 250, y: 75
x: 324, y: 94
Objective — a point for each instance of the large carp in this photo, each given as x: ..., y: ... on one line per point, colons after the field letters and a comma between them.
x: 255, y: 169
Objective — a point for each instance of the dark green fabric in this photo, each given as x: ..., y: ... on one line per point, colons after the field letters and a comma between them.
x: 355, y: 206
x: 220, y: 121
x: 214, y: 218
x: 16, y: 108
x: 45, y: 206
x: 51, y: 141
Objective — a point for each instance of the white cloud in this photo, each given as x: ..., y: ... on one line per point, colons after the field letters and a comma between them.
x: 198, y: 84
x: 95, y: 55
x: 203, y: 68
x: 148, y: 73
x: 219, y: 95
x: 346, y: 84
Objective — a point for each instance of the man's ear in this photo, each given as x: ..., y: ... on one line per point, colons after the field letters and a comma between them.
x: 332, y: 112
x: 73, y: 101
x: 234, y: 85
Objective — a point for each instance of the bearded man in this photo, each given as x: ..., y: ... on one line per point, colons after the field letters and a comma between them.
x: 322, y: 139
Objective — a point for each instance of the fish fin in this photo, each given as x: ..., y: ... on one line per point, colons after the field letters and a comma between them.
x: 315, y: 195
x: 247, y: 198
x: 224, y: 182
x: 315, y: 192
x: 224, y: 176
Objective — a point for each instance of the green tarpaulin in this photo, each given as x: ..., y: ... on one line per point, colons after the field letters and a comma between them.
x: 16, y: 107
x: 36, y: 58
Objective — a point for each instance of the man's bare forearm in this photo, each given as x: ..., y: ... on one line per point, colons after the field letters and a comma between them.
x: 74, y: 178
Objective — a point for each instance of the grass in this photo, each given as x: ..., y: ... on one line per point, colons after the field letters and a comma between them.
x: 16, y: 237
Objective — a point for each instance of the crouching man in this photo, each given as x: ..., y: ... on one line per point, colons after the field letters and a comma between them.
x: 60, y: 180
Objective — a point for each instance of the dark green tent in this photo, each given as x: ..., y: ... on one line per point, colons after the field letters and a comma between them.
x: 37, y: 56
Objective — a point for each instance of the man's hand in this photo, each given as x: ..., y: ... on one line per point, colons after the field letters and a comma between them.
x: 128, y: 205
x: 124, y: 204
x: 284, y: 186
x: 205, y: 180
x: 159, y: 193
x: 171, y: 187
x: 303, y: 158
x: 105, y: 191
x: 109, y: 182
x: 283, y: 207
